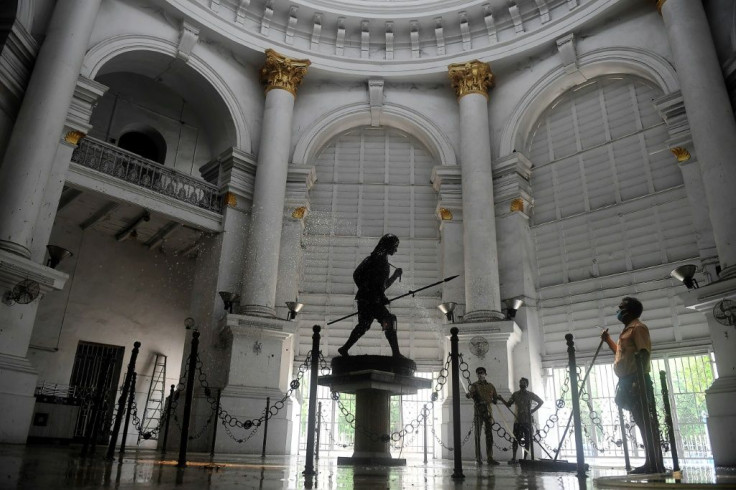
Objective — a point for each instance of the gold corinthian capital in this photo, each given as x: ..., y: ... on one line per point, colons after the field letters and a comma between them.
x: 282, y: 72
x: 471, y: 77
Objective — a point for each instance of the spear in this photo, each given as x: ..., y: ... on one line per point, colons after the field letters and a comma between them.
x: 411, y: 292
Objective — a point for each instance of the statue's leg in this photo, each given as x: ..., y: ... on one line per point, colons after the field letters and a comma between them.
x: 364, y: 323
x: 389, y: 330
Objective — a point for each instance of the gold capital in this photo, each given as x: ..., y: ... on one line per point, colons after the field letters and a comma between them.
x: 282, y: 72
x: 73, y: 137
x: 680, y: 153
x: 517, y: 205
x: 445, y: 214
x: 471, y: 77
x: 299, y: 212
x: 660, y: 4
x: 231, y: 200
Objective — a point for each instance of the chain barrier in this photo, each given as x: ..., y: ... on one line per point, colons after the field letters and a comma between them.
x: 330, y: 435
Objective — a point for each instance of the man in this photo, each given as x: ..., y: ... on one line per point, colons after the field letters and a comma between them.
x: 483, y: 394
x: 523, y: 424
x: 629, y: 395
x: 372, y: 278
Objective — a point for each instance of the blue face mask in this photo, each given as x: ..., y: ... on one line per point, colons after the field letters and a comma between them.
x: 620, y: 315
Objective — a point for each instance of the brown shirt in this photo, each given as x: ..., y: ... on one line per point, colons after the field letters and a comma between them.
x: 483, y: 394
x: 634, y: 338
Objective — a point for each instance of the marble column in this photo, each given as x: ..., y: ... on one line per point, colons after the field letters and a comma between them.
x: 35, y: 138
x: 711, y: 118
x: 281, y: 76
x: 471, y: 82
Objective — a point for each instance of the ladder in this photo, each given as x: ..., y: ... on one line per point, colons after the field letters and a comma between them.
x: 153, y: 411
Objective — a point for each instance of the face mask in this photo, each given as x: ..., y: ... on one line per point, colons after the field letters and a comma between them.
x: 620, y: 315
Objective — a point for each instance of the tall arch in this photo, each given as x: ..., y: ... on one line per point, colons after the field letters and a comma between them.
x: 639, y: 62
x: 105, y: 51
x: 355, y: 115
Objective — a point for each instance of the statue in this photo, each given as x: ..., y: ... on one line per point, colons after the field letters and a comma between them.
x: 373, y: 279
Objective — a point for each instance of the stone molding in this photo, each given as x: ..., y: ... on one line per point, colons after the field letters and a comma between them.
x: 16, y: 60
x: 512, y: 190
x: 233, y: 171
x: 282, y: 72
x: 14, y: 268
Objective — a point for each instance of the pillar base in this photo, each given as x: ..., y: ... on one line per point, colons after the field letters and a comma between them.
x: 722, y: 421
x: 17, y: 385
x: 370, y: 461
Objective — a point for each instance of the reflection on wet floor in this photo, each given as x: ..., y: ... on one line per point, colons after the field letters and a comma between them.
x: 36, y: 467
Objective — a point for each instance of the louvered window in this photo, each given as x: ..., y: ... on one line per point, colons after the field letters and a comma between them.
x: 610, y: 212
x: 372, y: 181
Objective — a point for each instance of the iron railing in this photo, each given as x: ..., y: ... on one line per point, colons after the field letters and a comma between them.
x: 111, y: 160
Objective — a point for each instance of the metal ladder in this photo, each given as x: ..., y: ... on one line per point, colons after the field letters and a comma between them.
x: 155, y: 399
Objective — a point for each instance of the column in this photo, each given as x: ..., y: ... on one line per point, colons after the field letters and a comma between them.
x: 38, y: 128
x: 711, y: 118
x: 471, y: 82
x: 281, y: 76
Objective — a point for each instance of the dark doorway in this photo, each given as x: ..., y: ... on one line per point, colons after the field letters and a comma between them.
x: 144, y: 145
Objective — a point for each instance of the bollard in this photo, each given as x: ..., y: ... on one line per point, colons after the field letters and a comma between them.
x: 670, y: 425
x: 188, y: 401
x: 575, y: 404
x: 457, y: 472
x: 265, y: 426
x: 131, y: 399
x: 313, y: 378
x: 121, y: 402
x: 90, y: 432
x: 214, y: 426
x: 624, y: 440
x: 168, y: 418
x: 650, y: 431
x: 319, y: 425
x: 425, y: 439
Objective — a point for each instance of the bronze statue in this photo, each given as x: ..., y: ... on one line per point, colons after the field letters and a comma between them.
x: 372, y: 278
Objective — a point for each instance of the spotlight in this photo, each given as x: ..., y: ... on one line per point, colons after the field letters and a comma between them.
x: 229, y: 299
x: 513, y: 304
x: 448, y: 309
x: 189, y: 323
x: 56, y: 255
x: 685, y: 274
x: 294, y: 308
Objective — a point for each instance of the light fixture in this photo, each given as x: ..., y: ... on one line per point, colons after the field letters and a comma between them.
x: 56, y: 255
x: 294, y: 308
x: 685, y: 274
x: 229, y: 299
x: 448, y: 309
x: 189, y: 323
x: 513, y: 304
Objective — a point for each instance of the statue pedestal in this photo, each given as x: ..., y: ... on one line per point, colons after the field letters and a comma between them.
x: 373, y: 379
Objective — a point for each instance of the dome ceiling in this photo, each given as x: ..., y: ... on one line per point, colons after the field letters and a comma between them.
x: 392, y: 38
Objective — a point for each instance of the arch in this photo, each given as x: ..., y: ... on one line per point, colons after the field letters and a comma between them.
x: 350, y: 116
x: 632, y: 61
x: 104, y: 51
x: 143, y: 140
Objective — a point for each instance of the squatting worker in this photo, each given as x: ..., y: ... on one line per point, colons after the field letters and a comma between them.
x: 633, y: 339
x: 483, y: 394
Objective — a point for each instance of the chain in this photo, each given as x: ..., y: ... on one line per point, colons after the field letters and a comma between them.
x: 330, y: 435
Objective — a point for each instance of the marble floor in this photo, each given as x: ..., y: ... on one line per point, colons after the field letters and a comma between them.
x: 62, y: 467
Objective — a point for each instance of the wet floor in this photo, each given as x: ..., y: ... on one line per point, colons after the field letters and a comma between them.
x: 37, y: 467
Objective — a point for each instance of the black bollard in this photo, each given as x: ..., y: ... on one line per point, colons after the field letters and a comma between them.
x: 188, y: 401
x: 670, y: 426
x: 457, y: 472
x: 131, y: 399
x: 575, y: 404
x: 425, y: 438
x: 214, y: 426
x: 319, y: 425
x: 95, y: 416
x: 265, y: 426
x: 313, y: 378
x: 168, y: 418
x: 624, y: 439
x: 121, y: 402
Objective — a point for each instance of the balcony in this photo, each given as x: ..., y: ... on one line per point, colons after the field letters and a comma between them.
x: 129, y: 167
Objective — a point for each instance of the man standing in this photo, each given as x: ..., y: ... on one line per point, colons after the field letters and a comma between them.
x: 372, y: 278
x: 483, y: 394
x: 523, y: 424
x: 629, y: 395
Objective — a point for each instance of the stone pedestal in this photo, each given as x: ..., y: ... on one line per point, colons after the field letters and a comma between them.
x: 373, y: 390
x: 720, y: 396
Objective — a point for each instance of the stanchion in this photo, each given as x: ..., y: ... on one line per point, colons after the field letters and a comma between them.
x: 131, y: 399
x: 314, y: 374
x: 650, y: 431
x: 575, y: 404
x: 319, y: 425
x: 90, y: 432
x: 624, y: 439
x: 265, y: 426
x: 121, y: 402
x: 425, y: 438
x: 182, y: 463
x: 168, y: 418
x: 457, y: 472
x: 214, y: 426
x: 670, y: 426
